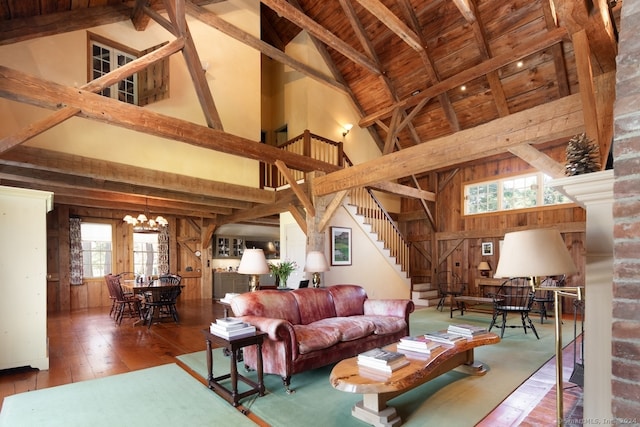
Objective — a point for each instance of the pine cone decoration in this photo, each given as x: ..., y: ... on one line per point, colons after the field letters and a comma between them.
x: 583, y: 156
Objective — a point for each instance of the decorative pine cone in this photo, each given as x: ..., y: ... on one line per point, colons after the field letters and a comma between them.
x: 583, y: 156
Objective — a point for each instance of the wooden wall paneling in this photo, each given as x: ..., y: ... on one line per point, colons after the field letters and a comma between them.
x: 53, y: 262
x: 64, y: 259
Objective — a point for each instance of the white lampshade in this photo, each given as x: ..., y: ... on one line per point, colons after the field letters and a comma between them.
x: 534, y: 253
x: 253, y: 262
x: 316, y: 262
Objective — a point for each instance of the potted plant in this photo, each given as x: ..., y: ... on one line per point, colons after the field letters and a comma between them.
x: 283, y: 270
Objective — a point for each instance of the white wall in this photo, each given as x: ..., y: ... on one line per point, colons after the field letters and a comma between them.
x: 233, y: 76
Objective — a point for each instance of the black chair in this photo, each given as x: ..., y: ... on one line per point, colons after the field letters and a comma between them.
x: 163, y: 300
x: 514, y: 296
x: 449, y: 286
x: 543, y: 300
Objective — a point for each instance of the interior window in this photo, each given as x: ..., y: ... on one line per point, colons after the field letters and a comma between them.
x: 145, y: 254
x: 97, y: 249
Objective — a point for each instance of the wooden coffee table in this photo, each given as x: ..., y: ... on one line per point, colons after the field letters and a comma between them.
x: 378, y: 388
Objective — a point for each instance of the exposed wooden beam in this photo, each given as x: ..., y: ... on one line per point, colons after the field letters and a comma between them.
x: 381, y: 12
x: 539, y: 160
x: 333, y: 205
x: 299, y: 216
x: 236, y: 33
x: 557, y: 119
x: 404, y: 190
x: 22, y: 87
x: 286, y: 10
x: 297, y: 189
x: 587, y: 90
x: 53, y: 165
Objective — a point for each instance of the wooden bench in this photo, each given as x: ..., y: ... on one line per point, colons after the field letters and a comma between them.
x: 470, y: 303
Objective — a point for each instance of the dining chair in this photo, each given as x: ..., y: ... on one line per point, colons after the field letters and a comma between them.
x: 161, y: 300
x: 543, y: 300
x: 123, y: 303
x: 449, y: 286
x: 514, y: 296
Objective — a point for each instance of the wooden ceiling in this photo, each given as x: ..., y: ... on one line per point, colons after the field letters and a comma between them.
x: 421, y: 73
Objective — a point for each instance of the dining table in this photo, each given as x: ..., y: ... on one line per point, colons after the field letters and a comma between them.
x: 147, y: 291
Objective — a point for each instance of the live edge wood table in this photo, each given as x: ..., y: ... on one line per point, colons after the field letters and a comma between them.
x: 377, y: 389
x: 233, y: 348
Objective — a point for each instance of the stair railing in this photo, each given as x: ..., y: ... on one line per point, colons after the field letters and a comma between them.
x: 382, y: 224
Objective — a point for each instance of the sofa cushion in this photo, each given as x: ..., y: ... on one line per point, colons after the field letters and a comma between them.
x: 385, y: 324
x: 348, y: 299
x: 350, y: 328
x: 313, y: 304
x: 311, y: 338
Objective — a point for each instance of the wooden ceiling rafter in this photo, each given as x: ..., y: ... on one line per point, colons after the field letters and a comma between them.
x: 527, y: 48
x: 299, y: 18
x: 236, y: 33
x: 176, y: 11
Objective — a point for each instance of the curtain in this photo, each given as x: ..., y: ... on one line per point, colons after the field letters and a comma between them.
x: 75, y: 243
x: 163, y: 250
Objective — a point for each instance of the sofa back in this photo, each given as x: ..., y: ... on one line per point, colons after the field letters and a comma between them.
x: 269, y: 303
x: 314, y: 304
x: 348, y: 300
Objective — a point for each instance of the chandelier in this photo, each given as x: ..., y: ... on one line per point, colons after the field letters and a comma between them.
x: 142, y: 224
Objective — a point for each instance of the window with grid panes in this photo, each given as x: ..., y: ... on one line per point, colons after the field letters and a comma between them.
x: 142, y: 88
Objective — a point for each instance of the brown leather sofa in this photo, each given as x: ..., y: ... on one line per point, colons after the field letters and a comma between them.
x: 314, y: 327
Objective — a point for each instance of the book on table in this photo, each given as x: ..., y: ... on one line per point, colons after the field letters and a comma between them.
x: 383, y: 360
x: 467, y: 330
x: 236, y: 330
x: 419, y: 344
x: 445, y: 337
x: 230, y: 323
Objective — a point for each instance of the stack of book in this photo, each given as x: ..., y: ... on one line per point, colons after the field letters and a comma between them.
x: 419, y: 344
x: 231, y: 328
x: 445, y: 337
x: 468, y: 331
x: 383, y: 360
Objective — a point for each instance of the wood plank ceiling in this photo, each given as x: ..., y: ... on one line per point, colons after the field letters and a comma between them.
x: 420, y: 72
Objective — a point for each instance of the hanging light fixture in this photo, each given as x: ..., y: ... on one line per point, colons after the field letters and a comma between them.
x: 142, y: 224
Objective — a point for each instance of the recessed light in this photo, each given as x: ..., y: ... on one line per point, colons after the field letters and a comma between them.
x: 519, y: 64
x: 463, y: 88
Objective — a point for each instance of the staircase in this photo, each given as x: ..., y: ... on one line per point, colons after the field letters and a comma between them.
x: 373, y: 218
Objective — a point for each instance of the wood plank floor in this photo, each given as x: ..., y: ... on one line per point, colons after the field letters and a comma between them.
x: 86, y: 344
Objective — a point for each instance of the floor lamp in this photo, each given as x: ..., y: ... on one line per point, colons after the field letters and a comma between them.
x: 537, y: 253
x: 254, y: 263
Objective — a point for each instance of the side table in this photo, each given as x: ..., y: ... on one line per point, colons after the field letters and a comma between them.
x: 233, y: 347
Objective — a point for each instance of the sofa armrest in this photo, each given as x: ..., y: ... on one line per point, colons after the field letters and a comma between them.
x: 277, y: 329
x: 389, y: 307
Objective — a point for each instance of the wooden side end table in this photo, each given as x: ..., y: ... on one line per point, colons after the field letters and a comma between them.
x: 233, y: 347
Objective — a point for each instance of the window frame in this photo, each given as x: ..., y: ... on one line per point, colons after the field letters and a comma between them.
x: 541, y: 192
x: 150, y: 84
x: 88, y: 262
x: 155, y: 267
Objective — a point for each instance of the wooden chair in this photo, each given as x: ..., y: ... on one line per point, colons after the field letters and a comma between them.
x: 123, y: 304
x: 543, y: 300
x: 514, y: 296
x: 162, y: 300
x: 449, y: 286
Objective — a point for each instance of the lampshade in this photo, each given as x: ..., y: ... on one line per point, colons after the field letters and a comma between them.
x: 484, y: 266
x: 316, y: 262
x: 534, y: 253
x: 253, y: 262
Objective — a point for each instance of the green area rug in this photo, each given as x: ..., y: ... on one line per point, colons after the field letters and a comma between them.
x: 162, y: 396
x: 453, y: 399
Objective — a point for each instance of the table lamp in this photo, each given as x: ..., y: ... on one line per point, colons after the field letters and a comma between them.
x: 315, y: 263
x: 484, y: 268
x: 253, y: 263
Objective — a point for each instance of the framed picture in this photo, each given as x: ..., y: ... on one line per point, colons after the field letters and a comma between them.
x: 340, y: 246
x: 487, y: 248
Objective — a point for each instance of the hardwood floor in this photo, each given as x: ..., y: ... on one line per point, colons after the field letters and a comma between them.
x: 86, y: 344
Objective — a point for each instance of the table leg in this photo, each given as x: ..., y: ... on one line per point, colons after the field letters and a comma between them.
x: 209, y: 362
x: 373, y: 410
x: 234, y: 375
x: 259, y: 369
